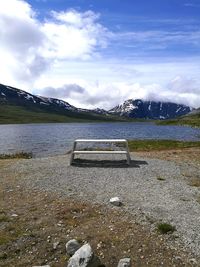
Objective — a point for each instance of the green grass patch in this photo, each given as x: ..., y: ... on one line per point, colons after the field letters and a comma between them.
x: 10, y: 234
x: 13, y: 114
x: 3, y: 217
x: 160, y: 178
x: 18, y: 155
x: 188, y: 120
x: 150, y: 145
x: 165, y: 228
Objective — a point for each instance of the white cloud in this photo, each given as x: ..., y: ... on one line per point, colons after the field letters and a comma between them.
x: 191, y: 5
x: 62, y: 57
x: 29, y: 47
x: 158, y: 39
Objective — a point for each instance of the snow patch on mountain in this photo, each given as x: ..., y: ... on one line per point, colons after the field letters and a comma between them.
x: 150, y: 109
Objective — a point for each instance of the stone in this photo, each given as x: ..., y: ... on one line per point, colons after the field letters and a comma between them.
x: 84, y: 257
x: 55, y: 244
x: 14, y: 215
x: 72, y: 246
x: 193, y: 261
x: 126, y: 262
x: 115, y: 201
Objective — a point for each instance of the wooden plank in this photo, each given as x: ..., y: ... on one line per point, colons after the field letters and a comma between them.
x: 98, y: 152
x: 101, y: 140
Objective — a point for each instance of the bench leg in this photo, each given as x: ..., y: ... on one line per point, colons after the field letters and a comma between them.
x: 128, y: 154
x: 72, y: 154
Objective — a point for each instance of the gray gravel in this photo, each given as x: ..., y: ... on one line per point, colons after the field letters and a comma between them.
x: 152, y: 190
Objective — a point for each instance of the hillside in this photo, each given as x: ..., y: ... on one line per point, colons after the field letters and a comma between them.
x: 18, y: 106
x: 191, y: 119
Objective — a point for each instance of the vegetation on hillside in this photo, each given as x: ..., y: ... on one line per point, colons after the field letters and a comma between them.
x: 191, y: 120
x: 19, y: 114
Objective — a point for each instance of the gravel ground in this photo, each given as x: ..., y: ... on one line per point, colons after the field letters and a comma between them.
x: 152, y: 190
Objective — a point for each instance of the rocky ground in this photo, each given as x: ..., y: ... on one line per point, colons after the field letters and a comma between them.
x: 45, y: 202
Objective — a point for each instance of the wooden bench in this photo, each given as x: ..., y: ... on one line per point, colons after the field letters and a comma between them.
x: 125, y: 152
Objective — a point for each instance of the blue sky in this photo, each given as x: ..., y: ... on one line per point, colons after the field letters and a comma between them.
x: 100, y: 53
x: 175, y: 19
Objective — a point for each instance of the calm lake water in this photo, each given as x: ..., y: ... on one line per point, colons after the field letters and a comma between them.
x: 57, y: 138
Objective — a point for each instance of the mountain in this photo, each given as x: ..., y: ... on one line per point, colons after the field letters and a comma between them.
x: 150, y: 109
x: 18, y: 106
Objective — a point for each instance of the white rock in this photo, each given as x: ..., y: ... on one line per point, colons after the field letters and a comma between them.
x: 115, y: 201
x: 14, y: 215
x: 193, y: 261
x: 84, y: 257
x: 72, y: 246
x: 126, y: 262
x: 55, y: 244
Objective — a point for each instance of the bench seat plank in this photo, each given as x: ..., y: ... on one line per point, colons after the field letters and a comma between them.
x: 98, y: 152
x: 101, y: 140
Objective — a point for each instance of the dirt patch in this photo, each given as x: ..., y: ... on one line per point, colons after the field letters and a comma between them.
x: 31, y: 222
x: 191, y: 155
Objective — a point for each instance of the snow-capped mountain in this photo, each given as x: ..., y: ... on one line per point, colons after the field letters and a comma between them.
x: 150, y: 109
x: 16, y: 96
x: 130, y: 108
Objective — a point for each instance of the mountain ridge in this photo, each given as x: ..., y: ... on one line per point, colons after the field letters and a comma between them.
x: 43, y: 109
x: 155, y: 110
x: 130, y: 109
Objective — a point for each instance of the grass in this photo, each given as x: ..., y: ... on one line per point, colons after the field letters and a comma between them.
x: 18, y: 155
x: 165, y: 228
x: 195, y: 182
x: 149, y: 145
x: 160, y: 178
x: 12, y: 114
x: 3, y: 217
x: 190, y: 120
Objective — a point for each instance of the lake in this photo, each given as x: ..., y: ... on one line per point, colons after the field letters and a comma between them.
x: 57, y: 138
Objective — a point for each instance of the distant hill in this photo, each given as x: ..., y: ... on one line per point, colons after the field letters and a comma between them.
x: 18, y: 106
x: 191, y: 119
x: 150, y: 109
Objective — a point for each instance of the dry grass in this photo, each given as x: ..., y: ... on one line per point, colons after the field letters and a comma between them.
x: 189, y: 155
x: 195, y: 182
x: 18, y: 155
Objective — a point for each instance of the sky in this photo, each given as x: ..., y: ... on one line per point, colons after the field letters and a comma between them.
x: 99, y: 53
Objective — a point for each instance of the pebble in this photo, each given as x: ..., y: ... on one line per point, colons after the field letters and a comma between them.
x: 115, y: 201
x: 55, y: 244
x: 126, y: 262
x: 72, y: 246
x: 84, y: 257
x: 14, y: 215
x: 193, y: 261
